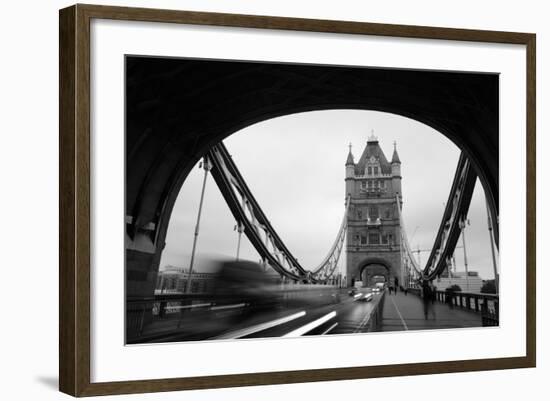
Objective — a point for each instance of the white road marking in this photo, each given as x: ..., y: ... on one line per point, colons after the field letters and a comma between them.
x: 228, y: 306
x: 259, y: 327
x: 310, y: 326
x: 188, y: 306
x: 329, y: 329
x: 399, y: 313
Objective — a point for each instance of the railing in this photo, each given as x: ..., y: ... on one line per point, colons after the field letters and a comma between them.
x: 375, y: 319
x: 142, y: 312
x: 485, y: 304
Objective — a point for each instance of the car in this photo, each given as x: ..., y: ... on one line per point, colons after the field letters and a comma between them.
x: 380, y: 287
x: 365, y: 297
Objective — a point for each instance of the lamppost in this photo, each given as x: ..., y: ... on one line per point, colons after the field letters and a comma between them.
x: 240, y: 228
x: 207, y: 167
x: 462, y: 225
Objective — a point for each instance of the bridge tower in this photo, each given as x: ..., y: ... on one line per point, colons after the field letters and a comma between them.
x: 373, y: 248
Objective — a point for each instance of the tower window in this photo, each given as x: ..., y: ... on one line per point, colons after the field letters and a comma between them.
x: 375, y: 169
x: 373, y: 212
x: 374, y: 238
x: 369, y: 170
x: 363, y: 240
x: 359, y: 214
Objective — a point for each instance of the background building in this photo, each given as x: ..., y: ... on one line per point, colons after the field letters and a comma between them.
x: 173, y: 279
x: 472, y: 283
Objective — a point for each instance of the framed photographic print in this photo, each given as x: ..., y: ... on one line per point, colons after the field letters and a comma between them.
x: 305, y: 200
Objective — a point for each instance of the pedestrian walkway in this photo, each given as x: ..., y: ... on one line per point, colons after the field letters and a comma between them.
x: 406, y: 312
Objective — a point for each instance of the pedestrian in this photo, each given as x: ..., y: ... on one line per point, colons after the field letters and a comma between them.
x: 390, y: 289
x: 427, y: 299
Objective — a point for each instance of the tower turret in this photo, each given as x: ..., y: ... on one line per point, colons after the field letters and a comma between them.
x: 396, y: 171
x: 350, y: 172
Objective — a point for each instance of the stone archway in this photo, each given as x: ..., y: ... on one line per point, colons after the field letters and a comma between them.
x: 371, y: 273
x: 371, y: 269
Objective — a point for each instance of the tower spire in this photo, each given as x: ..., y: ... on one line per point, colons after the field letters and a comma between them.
x: 395, y: 156
x: 372, y: 137
x: 350, y: 156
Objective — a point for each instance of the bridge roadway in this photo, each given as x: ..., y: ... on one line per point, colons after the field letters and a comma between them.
x: 348, y: 314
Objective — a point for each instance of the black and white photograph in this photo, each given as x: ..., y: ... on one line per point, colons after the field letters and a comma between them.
x: 283, y: 200
x: 275, y: 200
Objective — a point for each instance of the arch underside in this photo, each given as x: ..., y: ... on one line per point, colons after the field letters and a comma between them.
x: 177, y: 109
x: 371, y: 266
x: 371, y: 273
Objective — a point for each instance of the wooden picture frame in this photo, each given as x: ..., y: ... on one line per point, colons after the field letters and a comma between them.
x: 74, y: 206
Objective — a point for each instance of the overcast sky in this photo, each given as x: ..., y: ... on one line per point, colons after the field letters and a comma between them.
x: 295, y: 167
